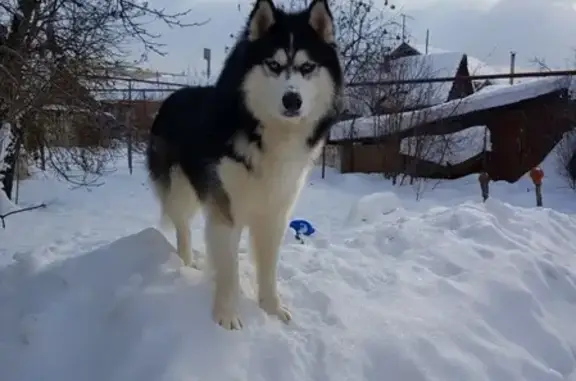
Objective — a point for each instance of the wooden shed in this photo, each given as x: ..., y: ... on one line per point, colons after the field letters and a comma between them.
x: 523, y: 123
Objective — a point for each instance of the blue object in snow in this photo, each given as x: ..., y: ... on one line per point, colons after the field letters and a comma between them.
x: 302, y: 227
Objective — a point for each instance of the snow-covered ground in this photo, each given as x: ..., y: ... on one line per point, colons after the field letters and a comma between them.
x: 389, y: 288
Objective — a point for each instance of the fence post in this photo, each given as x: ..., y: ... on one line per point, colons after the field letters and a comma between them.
x: 537, y: 174
x: 324, y: 161
x: 129, y: 141
x: 484, y: 180
x: 129, y: 126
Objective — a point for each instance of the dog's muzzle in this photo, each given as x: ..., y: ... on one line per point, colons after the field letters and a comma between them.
x: 292, y: 101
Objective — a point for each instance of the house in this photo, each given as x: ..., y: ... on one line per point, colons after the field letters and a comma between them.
x: 404, y: 50
x: 519, y: 124
x: 407, y: 63
x: 402, y: 64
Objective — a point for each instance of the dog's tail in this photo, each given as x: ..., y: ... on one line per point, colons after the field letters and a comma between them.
x: 158, y: 159
x: 159, y: 164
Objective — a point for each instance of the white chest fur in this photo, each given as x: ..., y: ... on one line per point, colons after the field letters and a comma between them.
x: 276, y: 177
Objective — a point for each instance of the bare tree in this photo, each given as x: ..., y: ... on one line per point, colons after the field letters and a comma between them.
x: 366, y: 33
x: 52, y: 53
x: 566, y: 158
x: 565, y: 151
x: 403, y: 105
x: 364, y: 29
x: 398, y: 109
x: 6, y: 139
x: 541, y: 64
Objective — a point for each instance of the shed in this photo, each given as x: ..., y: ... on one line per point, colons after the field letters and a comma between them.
x: 523, y: 124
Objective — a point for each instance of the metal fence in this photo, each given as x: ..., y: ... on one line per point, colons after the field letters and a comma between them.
x: 176, y: 85
x: 157, y: 90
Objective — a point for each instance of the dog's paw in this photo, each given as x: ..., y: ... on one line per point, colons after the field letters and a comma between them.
x: 197, y: 260
x: 226, y: 317
x: 272, y: 306
x: 283, y: 314
x: 192, y: 260
x: 186, y: 261
x: 195, y: 264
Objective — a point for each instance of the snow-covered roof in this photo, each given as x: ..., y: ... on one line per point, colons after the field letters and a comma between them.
x: 475, y: 62
x: 405, y: 96
x: 429, y: 66
x: 452, y: 148
x: 434, y: 64
x: 489, y: 97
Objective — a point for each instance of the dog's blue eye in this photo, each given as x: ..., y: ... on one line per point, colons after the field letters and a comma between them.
x: 307, y: 68
x: 274, y: 66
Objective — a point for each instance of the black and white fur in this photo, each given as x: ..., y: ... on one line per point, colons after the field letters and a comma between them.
x: 241, y: 150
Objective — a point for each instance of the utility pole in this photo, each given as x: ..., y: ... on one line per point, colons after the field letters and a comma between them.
x: 427, y: 40
x: 512, y: 66
x: 404, y: 17
x: 208, y: 58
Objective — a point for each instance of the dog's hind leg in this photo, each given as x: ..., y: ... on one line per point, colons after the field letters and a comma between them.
x: 266, y: 232
x: 179, y: 204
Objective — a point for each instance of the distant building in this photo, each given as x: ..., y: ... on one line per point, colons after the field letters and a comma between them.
x: 407, y: 62
x: 503, y: 130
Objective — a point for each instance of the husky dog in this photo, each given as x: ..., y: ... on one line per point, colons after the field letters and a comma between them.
x: 241, y: 150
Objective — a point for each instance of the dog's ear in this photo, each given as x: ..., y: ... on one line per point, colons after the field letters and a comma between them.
x: 321, y: 20
x: 261, y: 19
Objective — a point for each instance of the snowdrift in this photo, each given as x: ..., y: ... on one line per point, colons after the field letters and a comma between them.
x: 471, y: 292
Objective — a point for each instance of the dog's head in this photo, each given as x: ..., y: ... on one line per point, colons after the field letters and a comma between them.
x: 294, y: 73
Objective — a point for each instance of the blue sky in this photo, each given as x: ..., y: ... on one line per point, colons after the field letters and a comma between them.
x: 485, y: 29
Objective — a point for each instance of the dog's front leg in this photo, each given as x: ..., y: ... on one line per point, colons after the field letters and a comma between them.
x: 266, y: 234
x: 222, y: 240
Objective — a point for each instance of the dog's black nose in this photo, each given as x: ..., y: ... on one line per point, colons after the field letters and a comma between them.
x: 292, y: 101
